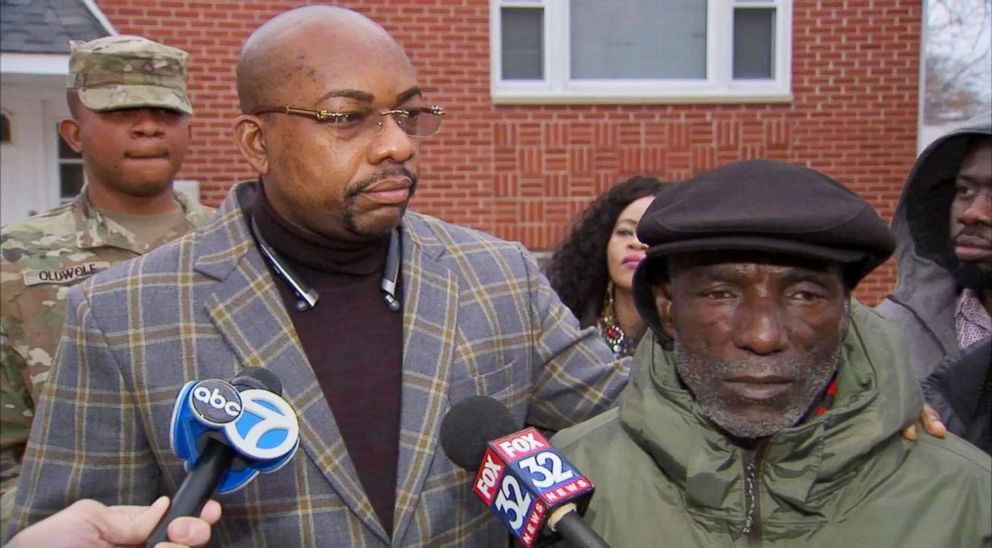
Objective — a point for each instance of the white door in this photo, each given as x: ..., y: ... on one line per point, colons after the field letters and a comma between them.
x: 29, y: 162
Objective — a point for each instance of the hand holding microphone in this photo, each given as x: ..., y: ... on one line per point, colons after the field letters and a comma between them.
x: 228, y: 433
x: 89, y: 523
x: 523, y: 480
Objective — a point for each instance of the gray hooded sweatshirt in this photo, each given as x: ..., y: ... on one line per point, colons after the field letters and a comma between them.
x: 924, y: 301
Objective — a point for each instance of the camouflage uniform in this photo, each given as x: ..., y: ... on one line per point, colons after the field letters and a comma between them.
x: 128, y: 71
x: 39, y: 260
x: 43, y: 256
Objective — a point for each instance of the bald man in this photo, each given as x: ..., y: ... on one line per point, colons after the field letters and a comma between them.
x: 376, y: 319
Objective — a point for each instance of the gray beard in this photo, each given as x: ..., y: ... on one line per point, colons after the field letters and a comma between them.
x: 718, y: 408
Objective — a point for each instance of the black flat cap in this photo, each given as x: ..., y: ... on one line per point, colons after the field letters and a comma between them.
x: 762, y: 205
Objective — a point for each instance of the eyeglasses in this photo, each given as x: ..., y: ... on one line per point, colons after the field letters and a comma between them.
x: 416, y: 122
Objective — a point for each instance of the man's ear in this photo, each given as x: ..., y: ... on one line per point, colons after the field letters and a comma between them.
x: 663, y: 306
x: 69, y: 131
x: 248, y: 136
x: 846, y: 320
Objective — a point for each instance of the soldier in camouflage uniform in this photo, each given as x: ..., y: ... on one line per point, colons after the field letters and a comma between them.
x: 130, y: 123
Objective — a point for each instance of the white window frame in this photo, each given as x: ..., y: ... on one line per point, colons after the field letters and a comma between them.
x: 59, y: 161
x: 718, y: 87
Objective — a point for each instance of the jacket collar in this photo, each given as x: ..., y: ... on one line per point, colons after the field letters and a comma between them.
x: 226, y: 238
x: 93, y: 229
x: 875, y: 398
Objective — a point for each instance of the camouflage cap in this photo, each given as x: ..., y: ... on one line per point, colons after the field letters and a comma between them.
x: 117, y: 72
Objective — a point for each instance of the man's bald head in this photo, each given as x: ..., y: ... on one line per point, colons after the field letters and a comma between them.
x: 347, y: 179
x: 276, y: 55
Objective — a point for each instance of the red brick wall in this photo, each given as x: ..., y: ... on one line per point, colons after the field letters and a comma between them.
x: 523, y: 172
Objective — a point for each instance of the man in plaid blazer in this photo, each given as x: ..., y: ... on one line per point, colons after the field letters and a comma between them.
x: 331, y: 113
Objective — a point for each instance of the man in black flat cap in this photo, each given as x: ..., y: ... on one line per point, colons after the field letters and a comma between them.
x: 765, y: 405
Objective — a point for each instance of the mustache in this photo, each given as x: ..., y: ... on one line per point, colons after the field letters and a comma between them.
x: 388, y: 173
x: 973, y: 231
x: 147, y: 153
x: 775, y: 366
x: 973, y: 236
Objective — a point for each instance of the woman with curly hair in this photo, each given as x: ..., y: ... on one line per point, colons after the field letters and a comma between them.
x: 593, y: 269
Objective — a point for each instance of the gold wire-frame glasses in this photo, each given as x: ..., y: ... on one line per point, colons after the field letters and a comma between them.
x: 416, y: 122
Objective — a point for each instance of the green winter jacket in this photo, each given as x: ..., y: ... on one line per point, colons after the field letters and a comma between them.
x: 665, y: 476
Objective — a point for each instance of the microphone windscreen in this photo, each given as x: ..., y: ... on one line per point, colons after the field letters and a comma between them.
x: 470, y: 425
x: 258, y: 378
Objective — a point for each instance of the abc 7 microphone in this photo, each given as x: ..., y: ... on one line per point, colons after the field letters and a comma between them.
x: 523, y: 480
x: 227, y: 433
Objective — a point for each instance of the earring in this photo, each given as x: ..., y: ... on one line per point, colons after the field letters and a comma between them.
x: 607, y: 312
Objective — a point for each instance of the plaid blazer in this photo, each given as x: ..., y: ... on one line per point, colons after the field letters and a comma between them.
x: 478, y: 318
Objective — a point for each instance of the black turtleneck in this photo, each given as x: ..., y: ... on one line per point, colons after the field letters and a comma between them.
x: 353, y: 342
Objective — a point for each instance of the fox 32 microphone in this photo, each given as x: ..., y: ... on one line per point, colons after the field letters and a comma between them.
x: 523, y: 480
x: 227, y: 433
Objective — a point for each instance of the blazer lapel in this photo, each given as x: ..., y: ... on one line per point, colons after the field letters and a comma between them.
x: 249, y: 314
x: 430, y: 305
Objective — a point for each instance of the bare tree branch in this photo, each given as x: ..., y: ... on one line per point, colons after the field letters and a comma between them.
x: 958, y: 59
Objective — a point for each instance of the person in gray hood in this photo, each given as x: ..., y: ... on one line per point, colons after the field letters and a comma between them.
x: 943, y: 226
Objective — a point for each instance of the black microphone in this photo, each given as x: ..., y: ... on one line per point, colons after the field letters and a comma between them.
x: 523, y: 480
x: 219, y: 456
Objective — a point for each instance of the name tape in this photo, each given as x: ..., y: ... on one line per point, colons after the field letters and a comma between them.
x: 65, y: 275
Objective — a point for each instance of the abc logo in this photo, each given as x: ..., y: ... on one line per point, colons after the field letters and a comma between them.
x: 215, y: 402
x: 267, y: 428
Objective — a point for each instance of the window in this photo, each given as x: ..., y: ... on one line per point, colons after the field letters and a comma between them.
x: 5, y: 136
x: 640, y: 51
x: 71, y: 175
x: 523, y: 54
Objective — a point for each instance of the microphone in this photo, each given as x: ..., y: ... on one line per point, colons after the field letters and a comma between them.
x: 523, y: 480
x: 227, y: 433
